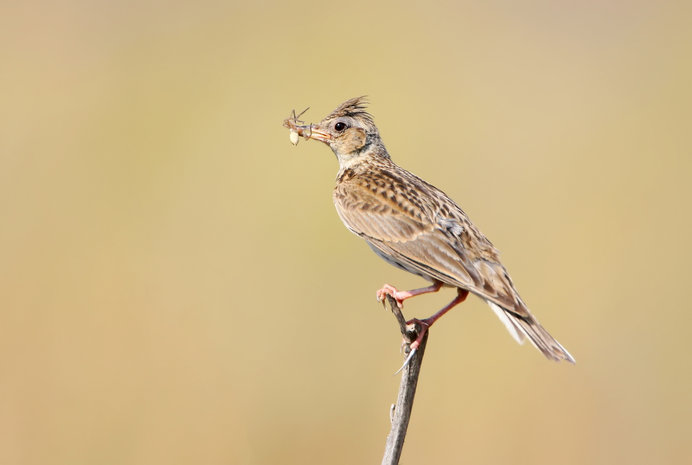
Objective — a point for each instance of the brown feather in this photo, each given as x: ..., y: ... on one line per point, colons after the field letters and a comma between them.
x: 417, y: 227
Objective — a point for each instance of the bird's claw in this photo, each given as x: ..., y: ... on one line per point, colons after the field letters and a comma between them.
x: 386, y: 290
x: 423, y: 325
x: 407, y: 361
x: 419, y: 333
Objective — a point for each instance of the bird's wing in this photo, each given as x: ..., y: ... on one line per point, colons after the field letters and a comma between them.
x: 430, y: 236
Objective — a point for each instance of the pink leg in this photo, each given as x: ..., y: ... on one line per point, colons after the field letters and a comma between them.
x: 400, y: 296
x: 428, y: 322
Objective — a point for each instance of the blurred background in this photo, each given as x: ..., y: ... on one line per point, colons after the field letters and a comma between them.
x: 176, y: 287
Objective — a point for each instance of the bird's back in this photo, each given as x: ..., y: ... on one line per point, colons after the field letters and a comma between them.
x: 418, y: 227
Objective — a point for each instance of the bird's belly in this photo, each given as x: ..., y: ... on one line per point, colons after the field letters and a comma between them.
x: 402, y: 266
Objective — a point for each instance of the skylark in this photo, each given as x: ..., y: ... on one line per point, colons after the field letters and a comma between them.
x: 417, y: 227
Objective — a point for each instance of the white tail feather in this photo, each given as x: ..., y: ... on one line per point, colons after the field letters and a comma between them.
x: 530, y: 329
x: 516, y: 331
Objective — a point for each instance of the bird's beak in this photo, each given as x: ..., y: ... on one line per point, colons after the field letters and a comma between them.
x: 308, y: 131
x: 315, y: 133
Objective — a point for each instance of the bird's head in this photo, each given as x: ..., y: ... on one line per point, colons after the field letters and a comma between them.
x: 349, y: 131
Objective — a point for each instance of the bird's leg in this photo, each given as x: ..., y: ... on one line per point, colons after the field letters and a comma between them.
x: 400, y: 296
x: 428, y: 322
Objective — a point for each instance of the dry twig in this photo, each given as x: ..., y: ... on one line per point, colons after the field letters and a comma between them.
x: 407, y: 390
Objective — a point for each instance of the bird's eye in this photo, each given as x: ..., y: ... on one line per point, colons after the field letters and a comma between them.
x: 340, y: 126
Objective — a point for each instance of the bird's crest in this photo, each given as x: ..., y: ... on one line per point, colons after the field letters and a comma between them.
x: 354, y: 107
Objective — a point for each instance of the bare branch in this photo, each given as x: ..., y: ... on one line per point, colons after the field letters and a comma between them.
x: 407, y: 389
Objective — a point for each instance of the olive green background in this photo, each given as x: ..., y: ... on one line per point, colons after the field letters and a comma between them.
x: 175, y: 286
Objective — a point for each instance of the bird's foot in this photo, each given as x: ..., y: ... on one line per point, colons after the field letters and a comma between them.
x: 423, y: 325
x: 420, y: 327
x: 426, y: 323
x: 386, y: 290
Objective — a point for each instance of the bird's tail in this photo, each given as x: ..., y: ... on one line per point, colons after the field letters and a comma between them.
x: 521, y: 328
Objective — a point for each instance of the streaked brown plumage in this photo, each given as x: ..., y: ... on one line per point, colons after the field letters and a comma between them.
x: 417, y: 227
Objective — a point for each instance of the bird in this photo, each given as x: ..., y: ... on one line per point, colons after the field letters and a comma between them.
x: 416, y: 227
